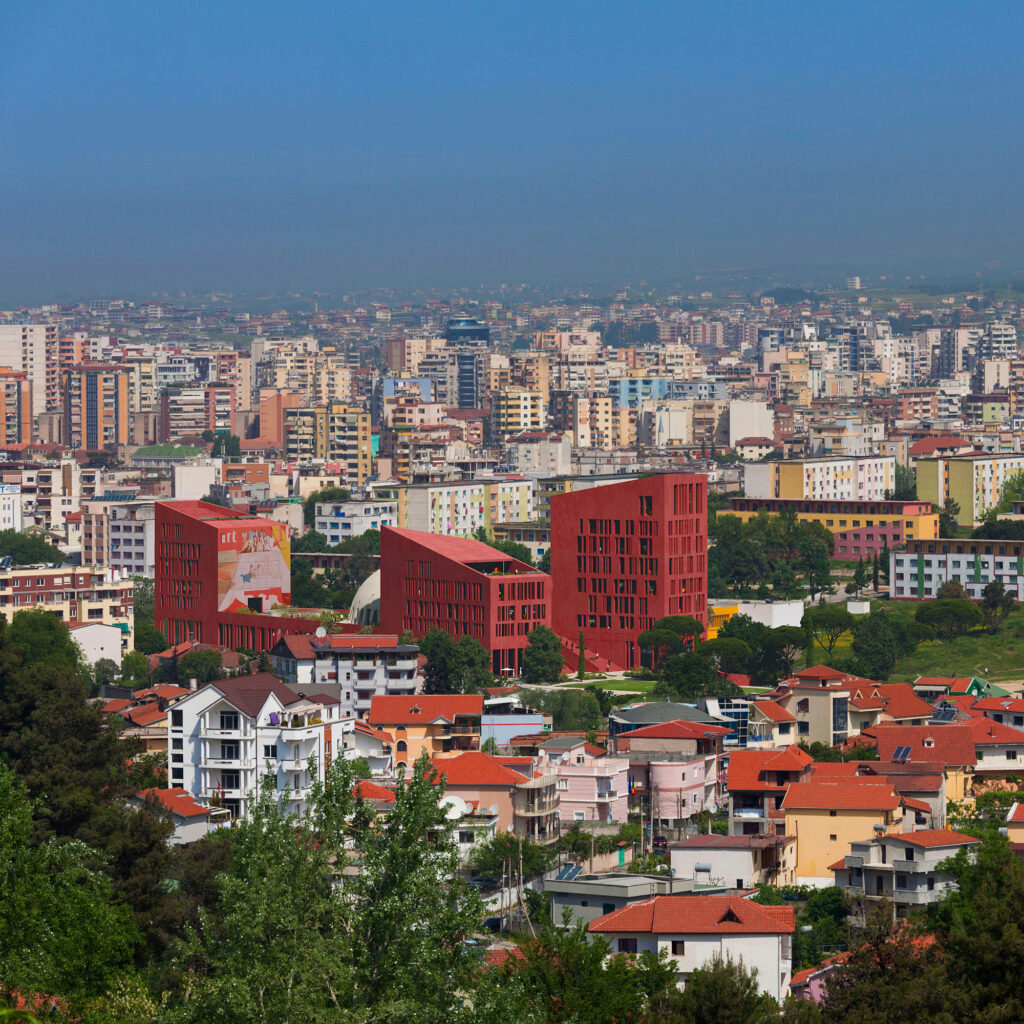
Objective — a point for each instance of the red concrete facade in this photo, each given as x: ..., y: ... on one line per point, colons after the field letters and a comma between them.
x: 464, y: 587
x: 200, y: 550
x: 624, y: 555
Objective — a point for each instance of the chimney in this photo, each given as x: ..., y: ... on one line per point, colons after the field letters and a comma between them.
x: 193, y: 684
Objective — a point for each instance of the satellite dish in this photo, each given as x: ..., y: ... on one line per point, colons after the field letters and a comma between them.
x: 493, y: 809
x: 321, y: 631
x: 510, y: 828
x: 454, y: 808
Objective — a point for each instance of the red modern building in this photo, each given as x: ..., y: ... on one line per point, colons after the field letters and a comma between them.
x: 624, y: 555
x: 219, y: 575
x: 464, y: 587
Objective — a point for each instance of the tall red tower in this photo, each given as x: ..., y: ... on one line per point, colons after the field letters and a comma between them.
x: 626, y: 554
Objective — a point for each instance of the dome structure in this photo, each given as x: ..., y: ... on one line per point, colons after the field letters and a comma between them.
x: 365, y: 608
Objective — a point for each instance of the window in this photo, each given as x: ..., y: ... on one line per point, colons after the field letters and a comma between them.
x: 910, y: 853
x: 803, y: 706
x: 832, y: 814
x: 177, y: 719
x: 578, y: 816
x: 803, y: 728
x: 401, y: 746
x: 270, y: 750
x: 178, y: 774
x: 176, y: 743
x: 627, y: 945
x: 678, y: 947
x: 832, y: 837
x: 563, y: 783
x: 466, y: 838
x: 229, y: 720
x: 1011, y: 755
x: 901, y: 881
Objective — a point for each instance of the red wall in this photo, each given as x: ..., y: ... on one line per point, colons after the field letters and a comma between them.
x: 421, y: 587
x: 624, y: 555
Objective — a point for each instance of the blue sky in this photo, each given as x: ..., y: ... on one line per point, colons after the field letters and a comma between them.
x: 266, y: 146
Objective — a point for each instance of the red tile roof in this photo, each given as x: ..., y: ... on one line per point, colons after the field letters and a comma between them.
x: 857, y: 794
x: 927, y: 445
x: 999, y: 704
x: 115, y: 705
x: 177, y: 801
x: 954, y: 682
x: 987, y: 733
x: 933, y: 838
x: 391, y: 709
x: 747, y: 768
x: 820, y: 672
x: 146, y: 714
x: 366, y: 790
x: 368, y: 730
x: 949, y: 744
x: 774, y: 712
x: 834, y: 769
x: 475, y: 768
x: 901, y: 701
x: 1016, y: 813
x: 695, y: 914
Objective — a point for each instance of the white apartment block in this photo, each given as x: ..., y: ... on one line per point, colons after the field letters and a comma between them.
x: 132, y: 538
x: 10, y: 507
x: 338, y: 520
x: 24, y: 347
x: 461, y: 508
x: 850, y: 478
x: 224, y: 737
x: 919, y: 571
x: 355, y: 669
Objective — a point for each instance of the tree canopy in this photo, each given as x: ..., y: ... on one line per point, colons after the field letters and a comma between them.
x: 543, y: 661
x: 24, y: 549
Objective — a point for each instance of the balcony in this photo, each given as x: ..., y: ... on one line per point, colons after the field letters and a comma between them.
x: 608, y: 794
x: 535, y: 808
x: 215, y: 732
x: 748, y: 812
x: 228, y: 763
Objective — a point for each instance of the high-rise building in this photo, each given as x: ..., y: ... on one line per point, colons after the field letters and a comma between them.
x: 189, y: 411
x: 464, y: 587
x: 32, y: 349
x: 467, y: 330
x: 95, y: 406
x: 337, y: 432
x: 15, y: 408
x: 625, y: 557
x: 514, y: 410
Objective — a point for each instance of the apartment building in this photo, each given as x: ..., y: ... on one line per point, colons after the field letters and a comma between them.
x: 74, y: 593
x: 189, y: 411
x: 225, y: 737
x: 461, y: 508
x: 515, y: 409
x: 829, y: 479
x: 356, y: 669
x: 336, y: 432
x: 33, y: 349
x: 15, y: 408
x: 919, y: 571
x: 440, y: 725
x: 10, y: 507
x: 96, y: 406
x: 339, y: 520
x: 974, y: 481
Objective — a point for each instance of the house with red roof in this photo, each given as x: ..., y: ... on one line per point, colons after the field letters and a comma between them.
x: 757, y: 781
x: 827, y: 815
x: 443, y: 725
x: 903, y: 869
x: 741, y: 861
x: 522, y: 795
x: 592, y: 786
x: 192, y: 819
x: 693, y: 929
x: 819, y: 700
x: 1004, y: 710
x: 769, y: 725
x: 871, y: 703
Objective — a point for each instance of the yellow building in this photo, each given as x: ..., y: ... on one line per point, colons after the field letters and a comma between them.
x: 336, y: 432
x: 718, y: 616
x: 974, y: 481
x: 834, y: 478
x: 514, y: 409
x: 441, y: 725
x: 900, y: 520
x: 825, y: 817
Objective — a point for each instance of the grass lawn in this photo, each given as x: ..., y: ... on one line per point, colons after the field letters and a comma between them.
x: 625, y: 685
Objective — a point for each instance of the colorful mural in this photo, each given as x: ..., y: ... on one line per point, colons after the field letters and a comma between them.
x: 253, y: 567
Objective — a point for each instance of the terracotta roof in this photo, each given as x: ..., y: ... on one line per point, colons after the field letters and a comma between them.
x: 695, y: 914
x: 952, y: 681
x: 774, y: 712
x: 115, y: 705
x: 901, y: 701
x: 820, y: 672
x: 927, y: 445
x: 859, y: 794
x: 144, y: 715
x: 916, y: 805
x: 999, y: 704
x: 950, y: 744
x: 165, y: 690
x: 298, y: 646
x: 834, y: 769
x: 366, y: 790
x: 368, y: 730
x: 1016, y: 813
x: 390, y: 709
x: 747, y: 767
x: 987, y: 733
x: 475, y: 768
x: 177, y: 801
x: 678, y: 730
x: 933, y: 838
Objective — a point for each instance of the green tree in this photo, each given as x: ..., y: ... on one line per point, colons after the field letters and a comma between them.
x: 723, y: 991
x: 950, y: 617
x: 134, y: 670
x: 996, y: 604
x: 949, y: 518
x: 45, y: 640
x: 148, y: 639
x: 511, y: 548
x: 875, y: 645
x: 581, y: 667
x: 543, y: 661
x: 905, y: 486
x: 570, y: 709
x: 687, y: 676
x: 827, y: 625
x: 462, y: 666
x: 573, y: 979
x: 727, y: 654
x: 951, y: 589
x: 61, y: 930
x: 860, y: 578
x: 24, y: 549
x: 490, y: 856
x: 203, y: 666
x: 544, y: 563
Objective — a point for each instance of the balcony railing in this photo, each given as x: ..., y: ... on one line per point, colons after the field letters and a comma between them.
x: 536, y: 807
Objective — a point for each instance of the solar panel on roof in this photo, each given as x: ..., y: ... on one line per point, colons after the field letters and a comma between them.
x: 574, y: 870
x: 901, y: 754
x: 564, y: 873
x: 944, y: 715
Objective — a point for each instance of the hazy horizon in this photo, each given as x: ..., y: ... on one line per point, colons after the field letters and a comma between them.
x: 263, y: 148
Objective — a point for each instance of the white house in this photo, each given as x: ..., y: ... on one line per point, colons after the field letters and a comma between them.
x: 740, y: 861
x: 357, y: 668
x: 225, y: 736
x: 97, y: 640
x: 693, y: 929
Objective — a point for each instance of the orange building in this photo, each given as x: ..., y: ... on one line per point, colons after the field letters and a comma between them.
x: 95, y: 406
x: 438, y: 724
x: 15, y: 407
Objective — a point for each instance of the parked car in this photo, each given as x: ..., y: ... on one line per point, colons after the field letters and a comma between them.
x: 660, y: 843
x: 484, y: 883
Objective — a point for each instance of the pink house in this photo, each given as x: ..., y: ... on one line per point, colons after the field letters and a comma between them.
x: 591, y: 785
